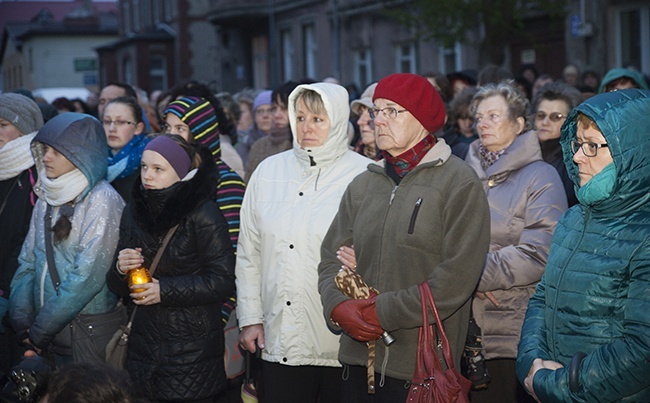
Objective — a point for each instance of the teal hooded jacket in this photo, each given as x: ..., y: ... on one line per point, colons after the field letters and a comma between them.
x: 620, y: 72
x: 81, y: 259
x: 595, y: 294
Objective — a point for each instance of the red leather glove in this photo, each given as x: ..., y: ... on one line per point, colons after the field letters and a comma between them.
x: 369, y: 312
x: 349, y: 315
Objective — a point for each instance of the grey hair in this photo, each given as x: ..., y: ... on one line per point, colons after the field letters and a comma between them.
x: 514, y: 97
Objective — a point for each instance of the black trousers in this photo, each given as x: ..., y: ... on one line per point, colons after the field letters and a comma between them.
x: 287, y: 384
x: 504, y: 387
x: 355, y: 387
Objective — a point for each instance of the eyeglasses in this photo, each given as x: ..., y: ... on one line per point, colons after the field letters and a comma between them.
x: 388, y: 112
x: 493, y: 117
x: 554, y: 116
x: 265, y: 111
x: 590, y: 149
x: 118, y: 123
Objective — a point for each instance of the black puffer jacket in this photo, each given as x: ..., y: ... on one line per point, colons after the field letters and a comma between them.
x: 176, y: 347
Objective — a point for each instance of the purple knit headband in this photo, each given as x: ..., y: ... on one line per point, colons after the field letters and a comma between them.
x: 172, y: 152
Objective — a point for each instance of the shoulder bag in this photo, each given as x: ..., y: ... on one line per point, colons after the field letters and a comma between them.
x: 117, y: 346
x: 430, y: 383
x: 86, y: 336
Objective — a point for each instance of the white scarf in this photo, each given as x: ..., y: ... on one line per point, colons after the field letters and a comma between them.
x: 61, y: 190
x: 16, y: 156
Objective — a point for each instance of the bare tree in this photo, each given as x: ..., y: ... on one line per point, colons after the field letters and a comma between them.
x: 494, y: 21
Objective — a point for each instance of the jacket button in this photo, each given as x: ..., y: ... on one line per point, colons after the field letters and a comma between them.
x: 288, y: 303
x: 284, y: 359
x: 291, y: 246
x: 300, y: 194
x: 491, y: 183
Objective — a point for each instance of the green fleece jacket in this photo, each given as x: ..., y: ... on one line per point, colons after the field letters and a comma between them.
x: 434, y: 226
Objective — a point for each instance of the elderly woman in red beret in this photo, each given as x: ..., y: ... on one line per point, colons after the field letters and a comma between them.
x: 419, y: 215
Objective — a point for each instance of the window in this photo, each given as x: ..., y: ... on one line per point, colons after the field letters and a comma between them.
x: 633, y: 38
x: 449, y: 58
x: 363, y: 67
x: 158, y: 73
x: 260, y: 61
x: 155, y: 12
x: 126, y: 17
x: 167, y: 10
x: 309, y: 49
x: 405, y: 58
x: 136, y: 15
x: 287, y: 54
x: 127, y: 71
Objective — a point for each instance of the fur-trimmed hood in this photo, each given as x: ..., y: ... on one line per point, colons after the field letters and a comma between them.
x: 158, y: 210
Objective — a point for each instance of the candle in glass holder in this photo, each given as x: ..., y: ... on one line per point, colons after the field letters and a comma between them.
x: 139, y: 276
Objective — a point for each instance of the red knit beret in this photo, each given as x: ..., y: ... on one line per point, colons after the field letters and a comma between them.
x: 416, y: 94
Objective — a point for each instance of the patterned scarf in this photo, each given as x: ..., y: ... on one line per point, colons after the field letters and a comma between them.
x: 127, y: 160
x: 406, y: 161
x: 488, y: 158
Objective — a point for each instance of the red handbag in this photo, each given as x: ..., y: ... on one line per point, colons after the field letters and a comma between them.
x: 430, y: 384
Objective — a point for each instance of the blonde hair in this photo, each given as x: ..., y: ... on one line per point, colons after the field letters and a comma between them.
x: 313, y: 101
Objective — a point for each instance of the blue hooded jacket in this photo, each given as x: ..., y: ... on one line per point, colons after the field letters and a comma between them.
x: 595, y: 295
x: 81, y: 259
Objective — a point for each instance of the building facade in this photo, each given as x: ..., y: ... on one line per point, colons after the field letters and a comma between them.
x: 49, y: 52
x: 162, y: 43
x: 261, y: 43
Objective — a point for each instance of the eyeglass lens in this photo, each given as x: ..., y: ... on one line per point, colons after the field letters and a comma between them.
x: 554, y: 116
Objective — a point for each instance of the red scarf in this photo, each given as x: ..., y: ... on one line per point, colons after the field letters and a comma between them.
x: 406, y: 161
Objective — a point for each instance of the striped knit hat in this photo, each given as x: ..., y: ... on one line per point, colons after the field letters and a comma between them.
x: 199, y: 115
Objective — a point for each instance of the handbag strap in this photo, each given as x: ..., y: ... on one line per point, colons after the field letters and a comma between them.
x: 427, y: 298
x: 154, y: 264
x: 165, y: 241
x: 49, y: 249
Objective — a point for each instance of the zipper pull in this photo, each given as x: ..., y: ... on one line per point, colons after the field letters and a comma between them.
x: 392, y: 195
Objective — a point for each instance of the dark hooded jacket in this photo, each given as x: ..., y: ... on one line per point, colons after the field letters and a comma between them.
x: 176, y: 347
x: 595, y: 295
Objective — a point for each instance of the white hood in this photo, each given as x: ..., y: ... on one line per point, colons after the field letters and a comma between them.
x: 336, y: 100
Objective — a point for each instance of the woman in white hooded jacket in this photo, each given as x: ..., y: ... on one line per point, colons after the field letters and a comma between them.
x: 289, y: 204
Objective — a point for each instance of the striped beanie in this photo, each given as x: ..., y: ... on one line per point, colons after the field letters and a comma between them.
x: 199, y: 115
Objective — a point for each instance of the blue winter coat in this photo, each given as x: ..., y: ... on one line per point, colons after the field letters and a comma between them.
x: 595, y: 294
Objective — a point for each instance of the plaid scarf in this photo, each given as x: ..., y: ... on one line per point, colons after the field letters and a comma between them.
x: 406, y: 161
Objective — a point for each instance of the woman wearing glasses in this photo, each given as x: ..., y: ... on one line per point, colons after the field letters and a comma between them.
x: 586, y: 336
x: 418, y: 215
x: 526, y: 200
x: 550, y: 108
x: 122, y: 121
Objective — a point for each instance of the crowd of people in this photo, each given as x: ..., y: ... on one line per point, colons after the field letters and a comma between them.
x: 522, y: 201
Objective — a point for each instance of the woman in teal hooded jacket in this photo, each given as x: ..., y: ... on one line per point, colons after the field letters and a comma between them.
x: 85, y: 211
x: 586, y: 336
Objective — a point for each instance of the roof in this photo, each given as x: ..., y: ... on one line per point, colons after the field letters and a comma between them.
x: 44, y: 23
x: 24, y: 11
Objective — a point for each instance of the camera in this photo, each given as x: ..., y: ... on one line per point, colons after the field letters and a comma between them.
x: 27, y: 381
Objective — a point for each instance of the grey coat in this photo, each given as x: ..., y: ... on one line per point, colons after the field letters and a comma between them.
x: 434, y: 227
x: 526, y: 198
